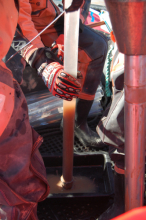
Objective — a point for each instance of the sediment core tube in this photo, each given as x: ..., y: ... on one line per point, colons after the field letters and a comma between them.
x: 71, y: 33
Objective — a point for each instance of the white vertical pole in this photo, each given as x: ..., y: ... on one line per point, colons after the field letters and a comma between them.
x: 71, y: 33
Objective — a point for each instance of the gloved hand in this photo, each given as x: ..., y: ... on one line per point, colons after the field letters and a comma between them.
x: 60, y: 83
x: 58, y: 47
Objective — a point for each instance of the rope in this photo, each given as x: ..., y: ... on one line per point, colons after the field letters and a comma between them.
x: 107, y: 76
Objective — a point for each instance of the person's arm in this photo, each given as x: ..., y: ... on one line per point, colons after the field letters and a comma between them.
x: 47, y: 64
x: 27, y: 27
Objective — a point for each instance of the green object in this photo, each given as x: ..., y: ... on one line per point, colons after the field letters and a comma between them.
x: 107, y: 76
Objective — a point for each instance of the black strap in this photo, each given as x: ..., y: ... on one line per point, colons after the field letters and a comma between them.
x: 76, y: 4
x: 17, y: 4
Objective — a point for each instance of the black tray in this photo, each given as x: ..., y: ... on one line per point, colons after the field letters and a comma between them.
x: 88, y: 162
x: 95, y: 168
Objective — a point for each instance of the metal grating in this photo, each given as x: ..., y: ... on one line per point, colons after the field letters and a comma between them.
x: 53, y: 140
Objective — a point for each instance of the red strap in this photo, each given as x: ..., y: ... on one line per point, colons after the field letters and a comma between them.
x: 119, y: 170
x: 112, y: 36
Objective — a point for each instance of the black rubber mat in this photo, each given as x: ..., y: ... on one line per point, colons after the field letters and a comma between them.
x: 81, y: 209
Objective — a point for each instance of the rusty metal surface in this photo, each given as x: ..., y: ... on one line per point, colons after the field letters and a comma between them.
x: 129, y: 26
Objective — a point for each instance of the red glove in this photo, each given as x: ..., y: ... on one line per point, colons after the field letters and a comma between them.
x: 60, y: 83
x: 58, y: 47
